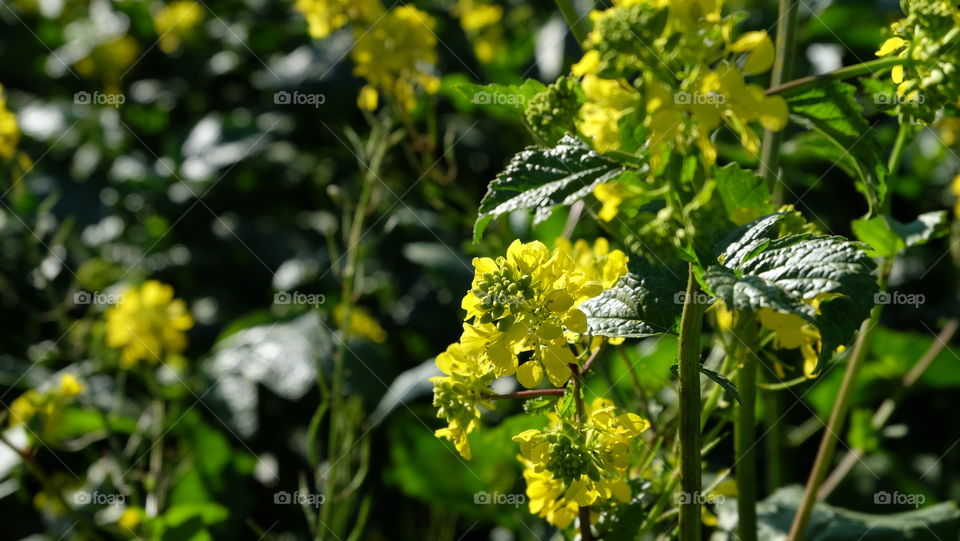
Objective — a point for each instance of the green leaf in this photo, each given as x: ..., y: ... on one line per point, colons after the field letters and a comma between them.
x: 786, y: 274
x: 645, y: 301
x: 863, y: 435
x: 499, y: 98
x: 744, y: 194
x: 888, y: 237
x: 728, y: 387
x: 542, y: 178
x: 832, y: 110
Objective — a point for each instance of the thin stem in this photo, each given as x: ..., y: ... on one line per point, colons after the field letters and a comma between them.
x: 744, y: 433
x: 782, y: 68
x: 531, y: 393
x: 689, y: 427
x: 574, y: 20
x: 803, y: 84
x: 883, y: 413
x: 586, y: 532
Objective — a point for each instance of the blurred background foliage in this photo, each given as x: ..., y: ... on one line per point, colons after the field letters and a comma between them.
x: 202, y: 180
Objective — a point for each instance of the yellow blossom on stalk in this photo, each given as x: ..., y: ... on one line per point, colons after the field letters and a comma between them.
x: 362, y: 324
x: 531, y: 296
x: 461, y: 392
x: 598, y: 262
x: 607, y: 101
x: 743, y: 104
x: 9, y: 131
x: 326, y: 16
x: 395, y: 54
x: 148, y: 324
x: 567, y: 467
x: 175, y: 22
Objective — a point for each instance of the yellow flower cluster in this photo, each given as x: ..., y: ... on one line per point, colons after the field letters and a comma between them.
x: 524, y: 302
x: 480, y: 20
x: 175, y: 23
x: 395, y: 50
x: 148, y: 324
x: 46, y: 405
x: 362, y: 324
x: 686, y: 95
x: 9, y: 130
x: 568, y: 466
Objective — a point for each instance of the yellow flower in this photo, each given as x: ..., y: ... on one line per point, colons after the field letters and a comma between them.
x: 45, y: 407
x: 481, y: 22
x: 175, y: 22
x: 148, y: 324
x: 9, y: 131
x: 24, y: 407
x: 759, y: 49
x: 394, y: 54
x: 568, y: 467
x: 607, y: 101
x: 532, y: 296
x: 326, y: 16
x: 598, y: 262
x: 131, y: 518
x: 368, y: 98
x: 70, y: 386
x: 611, y: 196
x: 459, y: 395
x: 793, y: 332
x: 955, y: 189
x: 362, y: 324
x: 742, y: 104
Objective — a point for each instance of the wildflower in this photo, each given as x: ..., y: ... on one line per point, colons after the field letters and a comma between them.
x: 368, y: 98
x: 45, y: 406
x: 326, y: 16
x: 531, y: 296
x: 395, y: 54
x: 362, y: 324
x: 131, y: 518
x: 481, y: 22
x: 175, y: 22
x: 791, y: 331
x: 607, y: 101
x: 9, y: 131
x: 459, y: 395
x: 568, y: 466
x: 148, y: 324
x: 598, y: 262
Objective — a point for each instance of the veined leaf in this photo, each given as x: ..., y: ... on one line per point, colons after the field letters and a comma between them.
x: 542, y: 178
x: 744, y: 194
x: 645, y: 301
x: 887, y: 237
x: 832, y: 110
x: 787, y: 274
x: 728, y: 386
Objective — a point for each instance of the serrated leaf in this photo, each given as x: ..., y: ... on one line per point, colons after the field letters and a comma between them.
x: 832, y: 110
x: 786, y: 274
x: 542, y: 178
x: 888, y: 237
x: 744, y: 194
x: 644, y: 302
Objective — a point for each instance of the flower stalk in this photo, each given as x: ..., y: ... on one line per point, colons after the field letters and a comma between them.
x: 689, y: 429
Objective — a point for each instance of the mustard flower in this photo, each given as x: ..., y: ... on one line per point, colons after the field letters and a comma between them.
x: 148, y: 324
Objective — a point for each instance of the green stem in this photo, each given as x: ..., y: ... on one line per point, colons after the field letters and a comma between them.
x: 586, y: 532
x: 689, y: 428
x: 744, y: 432
x: 803, y: 84
x: 782, y: 68
x: 576, y: 23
